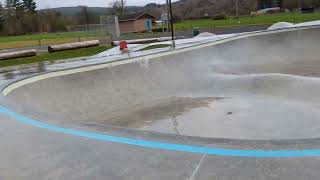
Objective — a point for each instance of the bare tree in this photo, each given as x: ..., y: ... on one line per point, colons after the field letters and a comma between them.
x: 122, y: 5
x: 296, y: 4
x: 86, y: 16
x: 118, y: 7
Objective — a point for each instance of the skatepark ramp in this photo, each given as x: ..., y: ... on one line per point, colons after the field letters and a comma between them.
x: 261, y: 85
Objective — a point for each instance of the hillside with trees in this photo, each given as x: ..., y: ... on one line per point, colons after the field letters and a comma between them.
x: 193, y: 9
x: 20, y: 17
x: 96, y: 11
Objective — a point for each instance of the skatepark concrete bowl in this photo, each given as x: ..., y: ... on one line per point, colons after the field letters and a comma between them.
x: 255, y: 86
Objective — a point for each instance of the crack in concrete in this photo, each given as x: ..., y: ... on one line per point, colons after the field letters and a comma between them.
x: 196, y: 171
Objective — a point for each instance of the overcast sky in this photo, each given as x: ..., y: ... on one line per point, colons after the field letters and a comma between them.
x: 93, y: 3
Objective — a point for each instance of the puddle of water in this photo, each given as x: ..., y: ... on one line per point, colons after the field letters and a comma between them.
x: 41, y: 67
x: 236, y: 118
x: 9, y: 75
x: 142, y: 116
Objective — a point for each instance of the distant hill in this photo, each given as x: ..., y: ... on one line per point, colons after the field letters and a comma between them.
x: 99, y: 11
x: 182, y: 9
x: 189, y: 9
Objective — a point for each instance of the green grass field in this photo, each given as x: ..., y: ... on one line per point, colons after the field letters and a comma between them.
x: 60, y: 35
x: 55, y: 56
x: 67, y: 37
x: 46, y: 39
x: 247, y: 20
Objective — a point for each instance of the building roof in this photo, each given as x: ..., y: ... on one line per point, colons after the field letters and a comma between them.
x: 133, y: 16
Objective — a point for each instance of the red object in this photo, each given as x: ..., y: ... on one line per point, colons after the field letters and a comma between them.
x: 123, y: 45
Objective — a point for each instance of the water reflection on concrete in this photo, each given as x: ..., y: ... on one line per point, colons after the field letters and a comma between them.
x: 10, y: 74
x: 23, y: 71
x: 162, y: 114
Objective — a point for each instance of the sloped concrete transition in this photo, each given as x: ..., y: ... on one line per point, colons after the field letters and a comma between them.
x: 255, y: 86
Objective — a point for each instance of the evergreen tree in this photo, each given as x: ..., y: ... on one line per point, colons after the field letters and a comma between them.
x: 18, y: 8
x: 1, y: 16
x: 9, y: 10
x: 8, y: 4
x: 29, y: 6
x: 1, y: 9
x: 17, y: 5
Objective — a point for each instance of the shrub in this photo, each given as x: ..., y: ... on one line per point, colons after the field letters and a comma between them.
x: 219, y: 16
x: 160, y: 29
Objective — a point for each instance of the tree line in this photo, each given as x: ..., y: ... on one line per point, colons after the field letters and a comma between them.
x: 18, y: 17
x: 191, y: 9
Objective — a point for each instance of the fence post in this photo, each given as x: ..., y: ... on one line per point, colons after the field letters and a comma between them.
x: 79, y: 39
x: 39, y: 42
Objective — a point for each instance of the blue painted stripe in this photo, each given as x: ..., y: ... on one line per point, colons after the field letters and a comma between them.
x: 164, y: 146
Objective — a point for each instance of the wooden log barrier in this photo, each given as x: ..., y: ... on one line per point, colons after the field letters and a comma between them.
x: 70, y: 46
x: 18, y: 54
x: 142, y: 41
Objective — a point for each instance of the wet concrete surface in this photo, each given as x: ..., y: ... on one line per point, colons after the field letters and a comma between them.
x: 167, y: 109
x: 219, y: 91
x: 231, y: 118
x: 247, y: 89
x: 45, y: 155
x: 221, y: 118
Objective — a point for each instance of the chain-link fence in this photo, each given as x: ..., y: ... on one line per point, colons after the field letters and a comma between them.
x: 108, y: 26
